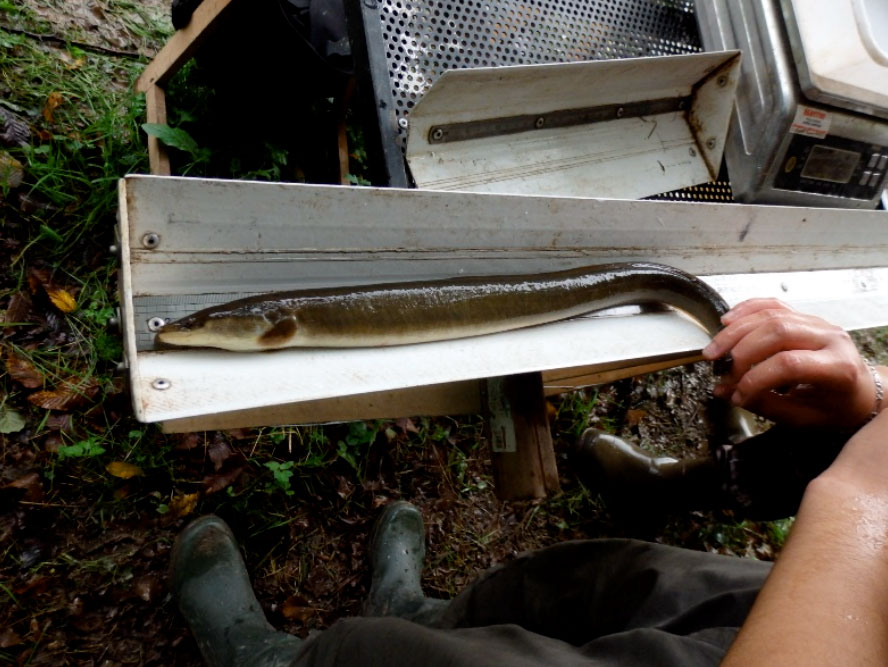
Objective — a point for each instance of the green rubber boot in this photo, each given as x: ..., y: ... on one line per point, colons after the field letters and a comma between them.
x: 211, y: 585
x: 397, y: 552
x: 634, y: 482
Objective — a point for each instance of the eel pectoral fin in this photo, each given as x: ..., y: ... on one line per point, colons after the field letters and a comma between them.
x: 279, y: 334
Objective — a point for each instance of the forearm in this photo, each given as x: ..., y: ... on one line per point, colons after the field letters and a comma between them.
x: 826, y: 601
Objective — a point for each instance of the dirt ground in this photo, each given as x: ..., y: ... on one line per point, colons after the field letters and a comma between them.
x: 84, y: 552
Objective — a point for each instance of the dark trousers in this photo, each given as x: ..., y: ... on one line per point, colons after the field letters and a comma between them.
x: 599, y: 602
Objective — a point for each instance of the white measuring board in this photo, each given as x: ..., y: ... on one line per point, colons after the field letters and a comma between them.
x: 218, y: 240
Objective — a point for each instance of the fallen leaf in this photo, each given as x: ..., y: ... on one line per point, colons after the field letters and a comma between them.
x: 633, y: 417
x: 9, y: 638
x: 407, y: 425
x: 72, y: 62
x: 19, y: 309
x: 297, y: 608
x: 10, y: 421
x: 37, y: 279
x: 32, y: 485
x: 52, y: 103
x: 219, y: 451
x: 123, y: 470
x: 52, y: 443
x: 87, y: 623
x: 71, y: 394
x: 148, y: 587
x: 184, y: 505
x: 186, y: 441
x: 344, y: 489
x: 215, y: 483
x: 23, y: 371
x: 60, y: 422
x: 62, y: 299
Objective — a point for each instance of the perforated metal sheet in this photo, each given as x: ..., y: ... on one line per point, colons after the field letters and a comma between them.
x: 423, y: 38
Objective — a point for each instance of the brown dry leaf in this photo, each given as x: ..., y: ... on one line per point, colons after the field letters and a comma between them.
x: 215, y: 483
x: 184, y: 505
x: 407, y: 425
x: 60, y: 422
x: 62, y: 299
x: 52, y: 443
x: 32, y: 485
x: 148, y: 587
x: 19, y: 308
x: 123, y: 470
x: 219, y: 452
x: 71, y: 62
x: 71, y: 394
x: 52, y: 103
x: 297, y: 608
x: 9, y: 638
x: 187, y: 441
x: 37, y: 279
x: 23, y: 371
x: 634, y: 417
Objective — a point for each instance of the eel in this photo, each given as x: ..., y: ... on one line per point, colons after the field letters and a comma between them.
x: 431, y: 310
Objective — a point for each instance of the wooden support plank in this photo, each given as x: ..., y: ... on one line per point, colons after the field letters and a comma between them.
x: 523, y: 459
x: 183, y: 44
x: 457, y: 398
x: 155, y: 112
x: 561, y: 380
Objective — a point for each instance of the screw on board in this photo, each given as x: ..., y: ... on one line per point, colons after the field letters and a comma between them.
x: 151, y: 240
x: 161, y: 384
x: 692, y: 152
x: 402, y: 122
x: 539, y: 122
x: 722, y: 81
x: 436, y: 134
x: 710, y: 144
x: 156, y: 323
x: 620, y: 112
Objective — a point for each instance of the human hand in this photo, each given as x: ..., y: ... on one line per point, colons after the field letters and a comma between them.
x: 791, y: 367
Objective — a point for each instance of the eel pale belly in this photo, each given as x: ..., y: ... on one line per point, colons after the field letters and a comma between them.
x: 423, y: 311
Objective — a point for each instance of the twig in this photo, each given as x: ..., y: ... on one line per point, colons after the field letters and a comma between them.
x: 55, y: 39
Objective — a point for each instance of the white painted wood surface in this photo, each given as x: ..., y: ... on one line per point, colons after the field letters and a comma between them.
x: 625, y: 159
x: 222, y: 239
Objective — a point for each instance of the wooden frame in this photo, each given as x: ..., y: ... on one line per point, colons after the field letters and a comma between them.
x: 177, y: 51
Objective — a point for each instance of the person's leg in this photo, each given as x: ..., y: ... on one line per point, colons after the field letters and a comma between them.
x: 211, y: 585
x: 580, y: 591
x: 397, y: 553
x: 761, y: 477
x: 602, y: 602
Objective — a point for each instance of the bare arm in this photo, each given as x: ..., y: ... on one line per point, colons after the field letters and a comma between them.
x: 826, y: 601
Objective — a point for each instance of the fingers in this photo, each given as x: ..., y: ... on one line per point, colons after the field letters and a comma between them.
x: 751, y: 306
x: 759, y: 338
x: 779, y: 323
x: 792, y: 368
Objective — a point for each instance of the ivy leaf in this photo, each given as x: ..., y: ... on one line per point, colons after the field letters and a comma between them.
x: 174, y: 137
